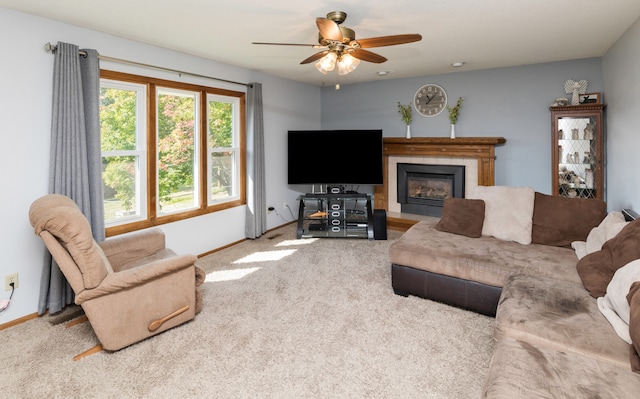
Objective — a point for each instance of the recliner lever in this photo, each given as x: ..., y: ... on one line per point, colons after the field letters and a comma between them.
x: 154, y: 325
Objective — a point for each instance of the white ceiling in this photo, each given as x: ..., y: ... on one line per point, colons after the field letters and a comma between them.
x: 482, y: 33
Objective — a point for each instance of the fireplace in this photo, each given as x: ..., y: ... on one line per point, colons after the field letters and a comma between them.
x: 477, y: 154
x: 423, y: 188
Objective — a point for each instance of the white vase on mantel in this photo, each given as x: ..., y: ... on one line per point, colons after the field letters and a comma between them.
x: 453, y: 131
x: 408, y: 131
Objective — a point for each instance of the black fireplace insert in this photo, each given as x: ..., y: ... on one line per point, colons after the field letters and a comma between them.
x: 422, y: 188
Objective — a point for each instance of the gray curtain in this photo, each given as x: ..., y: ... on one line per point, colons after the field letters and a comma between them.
x: 256, y: 223
x: 75, y: 159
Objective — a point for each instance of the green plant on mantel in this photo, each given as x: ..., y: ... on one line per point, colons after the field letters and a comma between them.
x: 454, y: 112
x: 405, y: 112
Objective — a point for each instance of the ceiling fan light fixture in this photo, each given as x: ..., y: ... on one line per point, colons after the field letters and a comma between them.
x: 339, y: 43
x: 327, y: 63
x: 347, y: 63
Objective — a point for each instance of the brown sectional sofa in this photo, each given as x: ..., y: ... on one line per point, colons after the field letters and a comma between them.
x: 469, y: 272
x: 552, y: 341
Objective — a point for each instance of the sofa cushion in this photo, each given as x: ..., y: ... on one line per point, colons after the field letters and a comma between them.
x: 614, y: 305
x: 558, y: 315
x: 596, y: 269
x: 561, y: 220
x: 609, y: 228
x: 462, y: 216
x: 521, y: 370
x: 633, y: 298
x: 508, y: 212
x: 606, y: 230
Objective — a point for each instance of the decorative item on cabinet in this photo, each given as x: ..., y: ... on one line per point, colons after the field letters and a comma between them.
x: 576, y: 181
x: 559, y: 152
x: 590, y: 98
x: 588, y: 131
x: 574, y: 134
x: 589, y: 178
x: 560, y: 102
x: 575, y: 88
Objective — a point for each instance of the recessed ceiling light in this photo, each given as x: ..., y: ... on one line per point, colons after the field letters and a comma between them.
x: 382, y: 73
x: 458, y: 64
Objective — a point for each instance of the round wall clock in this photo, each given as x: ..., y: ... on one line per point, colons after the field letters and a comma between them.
x: 430, y: 100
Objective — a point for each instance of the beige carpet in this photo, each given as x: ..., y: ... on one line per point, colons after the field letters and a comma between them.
x: 282, y: 318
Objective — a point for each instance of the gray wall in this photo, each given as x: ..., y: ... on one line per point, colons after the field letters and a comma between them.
x: 506, y: 102
x: 26, y: 71
x: 621, y: 72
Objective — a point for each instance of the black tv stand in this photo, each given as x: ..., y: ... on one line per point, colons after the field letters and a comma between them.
x: 341, y: 215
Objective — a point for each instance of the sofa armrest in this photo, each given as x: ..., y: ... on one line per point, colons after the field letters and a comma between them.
x: 131, y: 278
x: 127, y: 248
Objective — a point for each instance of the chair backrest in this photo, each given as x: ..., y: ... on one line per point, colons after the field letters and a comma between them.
x: 60, y: 217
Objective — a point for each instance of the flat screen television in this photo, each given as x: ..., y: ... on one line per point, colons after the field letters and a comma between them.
x: 335, y: 157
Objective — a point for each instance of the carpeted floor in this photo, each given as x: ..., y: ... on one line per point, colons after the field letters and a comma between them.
x: 282, y: 318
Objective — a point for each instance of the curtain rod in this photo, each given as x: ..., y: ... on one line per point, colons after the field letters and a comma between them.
x: 52, y: 49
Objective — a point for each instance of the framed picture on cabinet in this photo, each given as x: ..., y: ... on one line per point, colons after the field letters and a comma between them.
x: 590, y: 98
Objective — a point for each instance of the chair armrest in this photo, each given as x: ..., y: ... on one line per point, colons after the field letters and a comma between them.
x: 137, y: 276
x: 129, y: 247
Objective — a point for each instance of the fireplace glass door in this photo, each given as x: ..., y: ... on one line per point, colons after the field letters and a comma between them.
x: 422, y: 189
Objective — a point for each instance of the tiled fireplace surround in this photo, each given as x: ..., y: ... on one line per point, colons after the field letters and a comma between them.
x: 477, y: 154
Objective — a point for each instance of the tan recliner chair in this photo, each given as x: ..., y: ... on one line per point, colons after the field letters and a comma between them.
x: 130, y: 287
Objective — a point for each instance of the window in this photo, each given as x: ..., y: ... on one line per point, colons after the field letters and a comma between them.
x: 223, y: 148
x: 170, y: 150
x: 177, y: 138
x: 123, y: 143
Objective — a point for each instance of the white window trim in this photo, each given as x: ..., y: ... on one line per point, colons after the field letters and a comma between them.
x: 140, y: 152
x: 235, y: 149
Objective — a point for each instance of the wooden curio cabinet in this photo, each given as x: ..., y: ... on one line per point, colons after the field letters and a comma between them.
x: 577, y: 153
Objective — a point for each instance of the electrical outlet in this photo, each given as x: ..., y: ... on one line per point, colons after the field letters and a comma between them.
x: 10, y: 278
x: 285, y: 205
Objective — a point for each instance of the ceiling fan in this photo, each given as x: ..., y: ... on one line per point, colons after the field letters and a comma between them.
x: 342, y: 47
